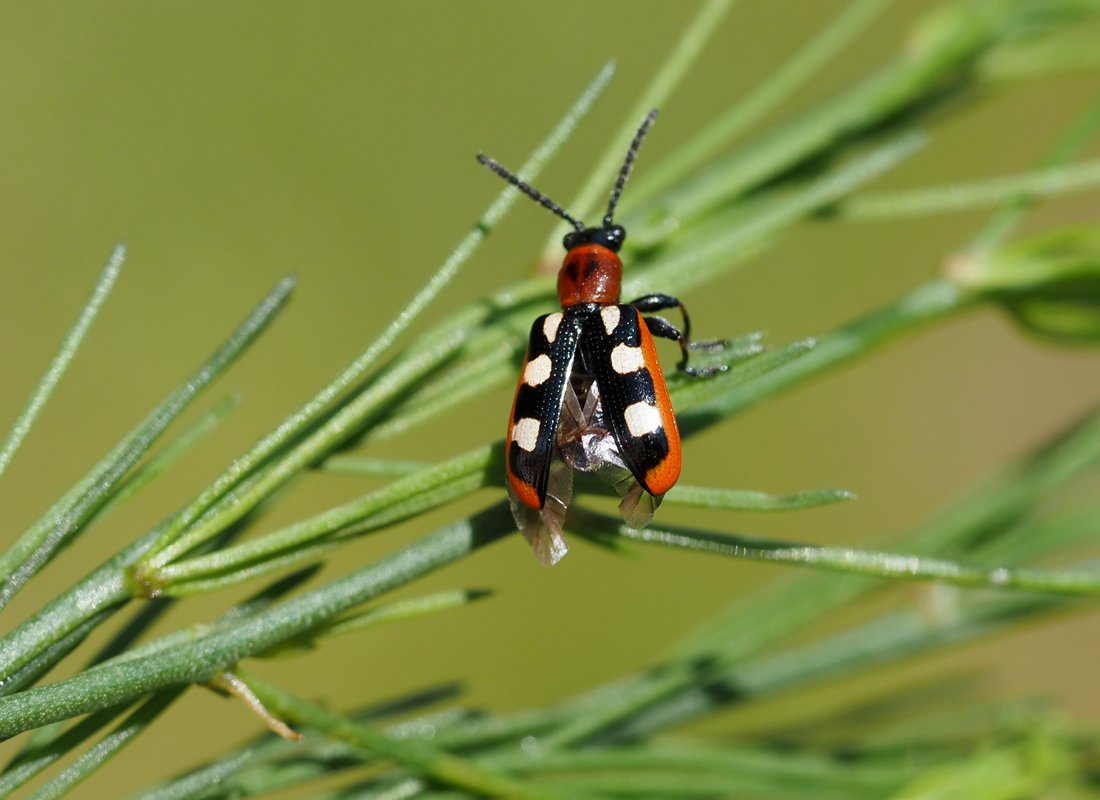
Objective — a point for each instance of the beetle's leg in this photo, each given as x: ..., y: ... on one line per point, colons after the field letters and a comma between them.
x: 658, y: 326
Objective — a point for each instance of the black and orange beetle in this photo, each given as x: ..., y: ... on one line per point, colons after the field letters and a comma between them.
x: 591, y: 396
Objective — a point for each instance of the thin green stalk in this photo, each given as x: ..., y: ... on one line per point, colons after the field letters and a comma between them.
x: 1067, y: 53
x: 308, y: 532
x: 734, y: 236
x: 123, y: 490
x: 769, y: 95
x: 268, y: 763
x: 33, y: 666
x: 418, y: 756
x: 932, y: 301
x: 202, y: 659
x: 781, y: 610
x: 996, y: 505
x: 172, y: 452
x: 742, y: 500
x: 107, y: 587
x: 366, y: 467
x: 853, y: 560
x: 327, y: 437
x: 31, y: 552
x: 397, y: 611
x: 1013, y: 210
x: 946, y: 43
x: 196, y: 783
x: 761, y: 767
x: 69, y: 345
x: 885, y: 639
x: 688, y: 47
x: 41, y: 756
x: 462, y: 382
x: 108, y: 747
x: 1048, y: 182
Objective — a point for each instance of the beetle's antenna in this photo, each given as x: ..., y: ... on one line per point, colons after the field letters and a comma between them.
x: 628, y: 164
x: 530, y: 191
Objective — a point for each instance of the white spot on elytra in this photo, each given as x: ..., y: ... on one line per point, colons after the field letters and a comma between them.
x: 550, y: 327
x: 626, y: 359
x: 610, y: 317
x: 642, y: 418
x: 525, y: 433
x: 537, y: 371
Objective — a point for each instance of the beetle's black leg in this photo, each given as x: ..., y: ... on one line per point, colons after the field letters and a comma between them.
x: 658, y: 326
x: 666, y: 330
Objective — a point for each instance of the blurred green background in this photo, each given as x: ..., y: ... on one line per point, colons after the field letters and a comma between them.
x: 230, y: 144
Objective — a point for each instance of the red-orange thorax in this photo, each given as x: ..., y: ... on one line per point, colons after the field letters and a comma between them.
x: 591, y: 273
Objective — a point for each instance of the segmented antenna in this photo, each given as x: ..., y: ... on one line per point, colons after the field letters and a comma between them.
x: 530, y: 191
x: 628, y: 164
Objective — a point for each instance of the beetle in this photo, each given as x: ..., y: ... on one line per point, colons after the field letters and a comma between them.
x: 591, y: 395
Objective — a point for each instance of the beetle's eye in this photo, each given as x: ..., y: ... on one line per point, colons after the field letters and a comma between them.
x: 570, y: 240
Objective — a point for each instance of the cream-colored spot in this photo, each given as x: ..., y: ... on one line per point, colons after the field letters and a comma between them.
x: 641, y: 418
x: 626, y: 359
x: 525, y: 433
x: 550, y: 327
x: 610, y: 317
x: 538, y: 370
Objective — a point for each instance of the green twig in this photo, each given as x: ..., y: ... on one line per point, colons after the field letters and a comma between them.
x: 108, y: 747
x: 742, y: 500
x: 853, y: 560
x: 200, y: 660
x: 31, y: 552
x: 69, y: 345
x: 977, y: 194
x: 675, y: 66
x: 1013, y: 209
x: 769, y: 95
x: 417, y: 756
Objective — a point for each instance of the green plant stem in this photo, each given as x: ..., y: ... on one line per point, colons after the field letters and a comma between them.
x: 31, y: 552
x: 977, y: 194
x: 41, y: 755
x: 1013, y: 209
x: 417, y: 756
x: 742, y: 500
x: 108, y: 747
x: 335, y: 520
x: 945, y: 44
x: 885, y: 639
x: 201, y: 660
x: 757, y: 767
x: 778, y: 612
x: 769, y: 95
x: 171, y: 453
x: 689, y: 45
x: 855, y: 561
x: 734, y: 236
x: 196, y: 783
x: 932, y: 301
x: 69, y: 345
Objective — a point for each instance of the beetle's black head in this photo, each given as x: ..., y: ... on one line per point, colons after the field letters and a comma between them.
x: 610, y: 236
